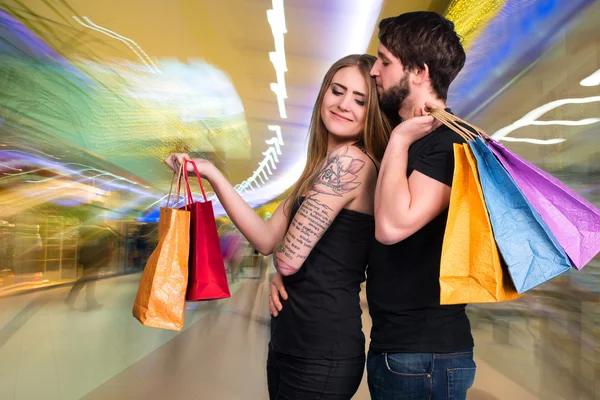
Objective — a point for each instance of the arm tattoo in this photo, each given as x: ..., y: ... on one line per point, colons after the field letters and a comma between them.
x: 283, y: 267
x: 280, y: 265
x: 336, y: 178
x: 315, y: 222
x: 338, y: 175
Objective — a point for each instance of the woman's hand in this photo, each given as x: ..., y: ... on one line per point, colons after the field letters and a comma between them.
x: 175, y: 160
x: 205, y: 167
x: 277, y: 292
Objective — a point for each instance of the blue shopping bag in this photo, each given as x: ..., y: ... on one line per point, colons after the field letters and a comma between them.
x: 531, y: 252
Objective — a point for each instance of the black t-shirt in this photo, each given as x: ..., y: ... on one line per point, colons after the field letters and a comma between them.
x: 322, y: 316
x: 403, y: 288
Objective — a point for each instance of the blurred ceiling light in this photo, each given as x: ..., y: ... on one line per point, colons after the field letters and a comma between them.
x: 27, y: 197
x: 9, y: 167
x: 533, y: 141
x: 587, y: 121
x: 277, y: 141
x: 531, y: 118
x: 64, y: 172
x: 267, y: 165
x: 277, y: 130
x: 276, y: 18
x: 128, y: 42
x: 592, y: 80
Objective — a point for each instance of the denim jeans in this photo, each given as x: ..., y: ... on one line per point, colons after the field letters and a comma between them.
x: 295, y: 378
x: 420, y: 376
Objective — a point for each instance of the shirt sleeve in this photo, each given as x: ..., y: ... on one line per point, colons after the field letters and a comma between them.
x: 437, y: 162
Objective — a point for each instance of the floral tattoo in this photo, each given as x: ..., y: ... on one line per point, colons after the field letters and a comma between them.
x: 339, y: 174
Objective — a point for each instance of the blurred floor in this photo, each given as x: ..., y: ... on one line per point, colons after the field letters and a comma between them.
x: 49, y: 352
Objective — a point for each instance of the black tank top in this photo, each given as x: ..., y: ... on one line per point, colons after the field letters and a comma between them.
x: 322, y: 316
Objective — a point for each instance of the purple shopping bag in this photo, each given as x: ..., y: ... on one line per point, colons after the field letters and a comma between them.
x: 574, y: 222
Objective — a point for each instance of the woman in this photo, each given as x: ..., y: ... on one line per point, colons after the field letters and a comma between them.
x: 320, y: 238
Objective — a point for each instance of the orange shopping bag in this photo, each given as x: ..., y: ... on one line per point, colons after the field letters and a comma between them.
x: 160, y: 300
x: 471, y: 270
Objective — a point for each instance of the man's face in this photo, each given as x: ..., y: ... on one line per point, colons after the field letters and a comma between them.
x: 392, y: 81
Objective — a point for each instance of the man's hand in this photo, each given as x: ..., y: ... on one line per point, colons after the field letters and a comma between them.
x: 428, y: 107
x: 277, y: 289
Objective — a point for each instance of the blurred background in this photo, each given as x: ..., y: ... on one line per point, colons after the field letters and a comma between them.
x: 95, y: 94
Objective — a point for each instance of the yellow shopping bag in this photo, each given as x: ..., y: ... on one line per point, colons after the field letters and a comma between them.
x: 160, y: 300
x: 471, y: 270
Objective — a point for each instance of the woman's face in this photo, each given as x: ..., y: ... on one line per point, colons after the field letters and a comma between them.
x: 344, y: 105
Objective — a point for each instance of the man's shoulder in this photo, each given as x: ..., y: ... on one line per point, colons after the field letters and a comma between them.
x: 445, y: 136
x: 440, y: 140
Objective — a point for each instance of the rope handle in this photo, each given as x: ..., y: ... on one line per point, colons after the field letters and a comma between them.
x: 177, y: 193
x: 454, y: 123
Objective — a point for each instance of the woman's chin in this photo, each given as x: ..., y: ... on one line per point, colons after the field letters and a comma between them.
x: 344, y: 135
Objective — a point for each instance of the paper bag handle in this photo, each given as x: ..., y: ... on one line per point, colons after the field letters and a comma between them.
x: 177, y: 174
x: 454, y: 123
x: 185, y: 171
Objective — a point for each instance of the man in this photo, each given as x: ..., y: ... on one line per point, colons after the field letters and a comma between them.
x: 419, y: 348
x: 96, y: 248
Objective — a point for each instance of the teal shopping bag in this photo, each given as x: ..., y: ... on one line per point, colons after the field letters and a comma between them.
x: 528, y: 247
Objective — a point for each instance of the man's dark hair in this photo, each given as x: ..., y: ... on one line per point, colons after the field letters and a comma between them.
x: 425, y: 37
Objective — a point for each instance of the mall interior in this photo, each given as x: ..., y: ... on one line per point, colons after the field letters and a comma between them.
x: 95, y: 94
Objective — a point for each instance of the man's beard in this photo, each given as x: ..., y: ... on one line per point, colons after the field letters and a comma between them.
x: 392, y: 100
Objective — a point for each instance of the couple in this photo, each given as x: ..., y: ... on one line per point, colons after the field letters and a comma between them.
x: 361, y: 183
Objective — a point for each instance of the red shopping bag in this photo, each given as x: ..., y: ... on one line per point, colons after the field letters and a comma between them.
x: 207, y: 277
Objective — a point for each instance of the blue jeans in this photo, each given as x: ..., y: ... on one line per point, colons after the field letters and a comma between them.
x: 420, y: 376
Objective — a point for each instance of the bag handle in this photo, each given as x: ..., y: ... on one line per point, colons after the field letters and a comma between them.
x: 187, y: 182
x: 460, y: 130
x: 454, y: 123
x: 177, y: 193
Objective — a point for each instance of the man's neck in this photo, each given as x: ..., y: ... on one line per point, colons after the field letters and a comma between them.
x: 411, y: 105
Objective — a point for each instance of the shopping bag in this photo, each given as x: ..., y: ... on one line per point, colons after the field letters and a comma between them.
x: 530, y: 250
x: 207, y: 276
x: 160, y: 300
x: 471, y: 270
x: 574, y: 222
